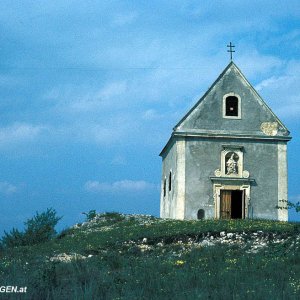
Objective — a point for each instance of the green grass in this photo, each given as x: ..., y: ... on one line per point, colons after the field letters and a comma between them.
x: 122, y: 266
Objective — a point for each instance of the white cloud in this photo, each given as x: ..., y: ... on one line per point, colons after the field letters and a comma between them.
x: 282, y: 93
x: 107, y: 131
x: 6, y: 80
x: 253, y: 63
x: 113, y: 89
x: 151, y: 114
x: 244, y: 12
x: 7, y: 188
x: 86, y: 98
x: 124, y: 18
x: 19, y: 132
x: 103, y: 135
x: 271, y: 81
x: 118, y: 186
x: 119, y: 160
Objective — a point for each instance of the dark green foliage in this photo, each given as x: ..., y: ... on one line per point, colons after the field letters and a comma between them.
x: 13, y: 239
x: 296, y: 206
x: 65, y: 232
x: 90, y: 215
x: 39, y: 229
x: 113, y: 217
x: 289, y: 205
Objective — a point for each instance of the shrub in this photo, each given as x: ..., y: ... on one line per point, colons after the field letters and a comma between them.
x: 289, y: 205
x: 14, y: 238
x: 114, y: 217
x: 39, y: 229
x: 90, y: 215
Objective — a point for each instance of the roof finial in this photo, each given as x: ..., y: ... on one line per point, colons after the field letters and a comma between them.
x: 231, y: 46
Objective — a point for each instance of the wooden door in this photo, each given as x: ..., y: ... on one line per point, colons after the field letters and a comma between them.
x: 225, y: 204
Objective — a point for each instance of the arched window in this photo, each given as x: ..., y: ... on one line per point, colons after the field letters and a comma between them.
x: 200, y: 214
x: 232, y: 106
x: 170, y: 181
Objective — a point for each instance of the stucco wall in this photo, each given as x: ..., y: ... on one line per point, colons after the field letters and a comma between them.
x: 168, y: 203
x: 203, y: 157
x: 208, y: 115
x: 194, y: 153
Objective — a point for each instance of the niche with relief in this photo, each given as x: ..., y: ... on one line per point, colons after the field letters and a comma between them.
x: 231, y: 163
x: 232, y: 158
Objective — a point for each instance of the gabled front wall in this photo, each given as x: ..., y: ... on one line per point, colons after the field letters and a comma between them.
x: 203, y: 157
x: 208, y: 113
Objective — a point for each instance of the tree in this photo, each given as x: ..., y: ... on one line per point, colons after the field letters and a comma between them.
x: 14, y: 238
x: 39, y: 229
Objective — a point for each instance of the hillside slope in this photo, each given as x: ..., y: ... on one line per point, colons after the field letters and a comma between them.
x: 116, y: 256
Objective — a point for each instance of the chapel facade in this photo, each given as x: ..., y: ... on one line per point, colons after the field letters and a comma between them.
x: 227, y: 157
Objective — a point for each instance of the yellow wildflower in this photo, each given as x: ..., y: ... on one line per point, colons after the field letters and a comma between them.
x: 179, y: 262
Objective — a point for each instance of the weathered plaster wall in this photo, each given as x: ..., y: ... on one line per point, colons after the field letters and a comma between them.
x: 194, y: 153
x: 203, y: 157
x: 168, y: 203
x: 282, y: 181
x: 208, y: 115
x: 180, y: 178
x: 262, y: 162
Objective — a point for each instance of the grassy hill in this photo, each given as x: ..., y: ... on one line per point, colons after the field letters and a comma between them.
x: 117, y: 256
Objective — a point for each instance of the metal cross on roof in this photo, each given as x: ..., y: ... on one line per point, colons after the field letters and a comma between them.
x: 231, y: 46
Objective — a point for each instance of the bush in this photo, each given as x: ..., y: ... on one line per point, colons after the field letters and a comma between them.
x: 39, y: 229
x: 14, y: 238
x: 90, y: 215
x: 289, y: 205
x: 114, y: 217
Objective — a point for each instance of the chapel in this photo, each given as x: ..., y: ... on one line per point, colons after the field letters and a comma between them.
x: 227, y: 157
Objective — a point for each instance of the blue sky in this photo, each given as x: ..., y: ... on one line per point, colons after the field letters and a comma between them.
x: 90, y: 91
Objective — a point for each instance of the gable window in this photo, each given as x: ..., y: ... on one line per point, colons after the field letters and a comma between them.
x: 232, y: 106
x: 170, y: 181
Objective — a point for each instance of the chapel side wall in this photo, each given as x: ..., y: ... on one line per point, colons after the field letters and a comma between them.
x: 168, y: 203
x: 203, y: 157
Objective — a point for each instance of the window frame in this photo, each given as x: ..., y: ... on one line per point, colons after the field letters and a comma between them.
x: 239, y: 109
